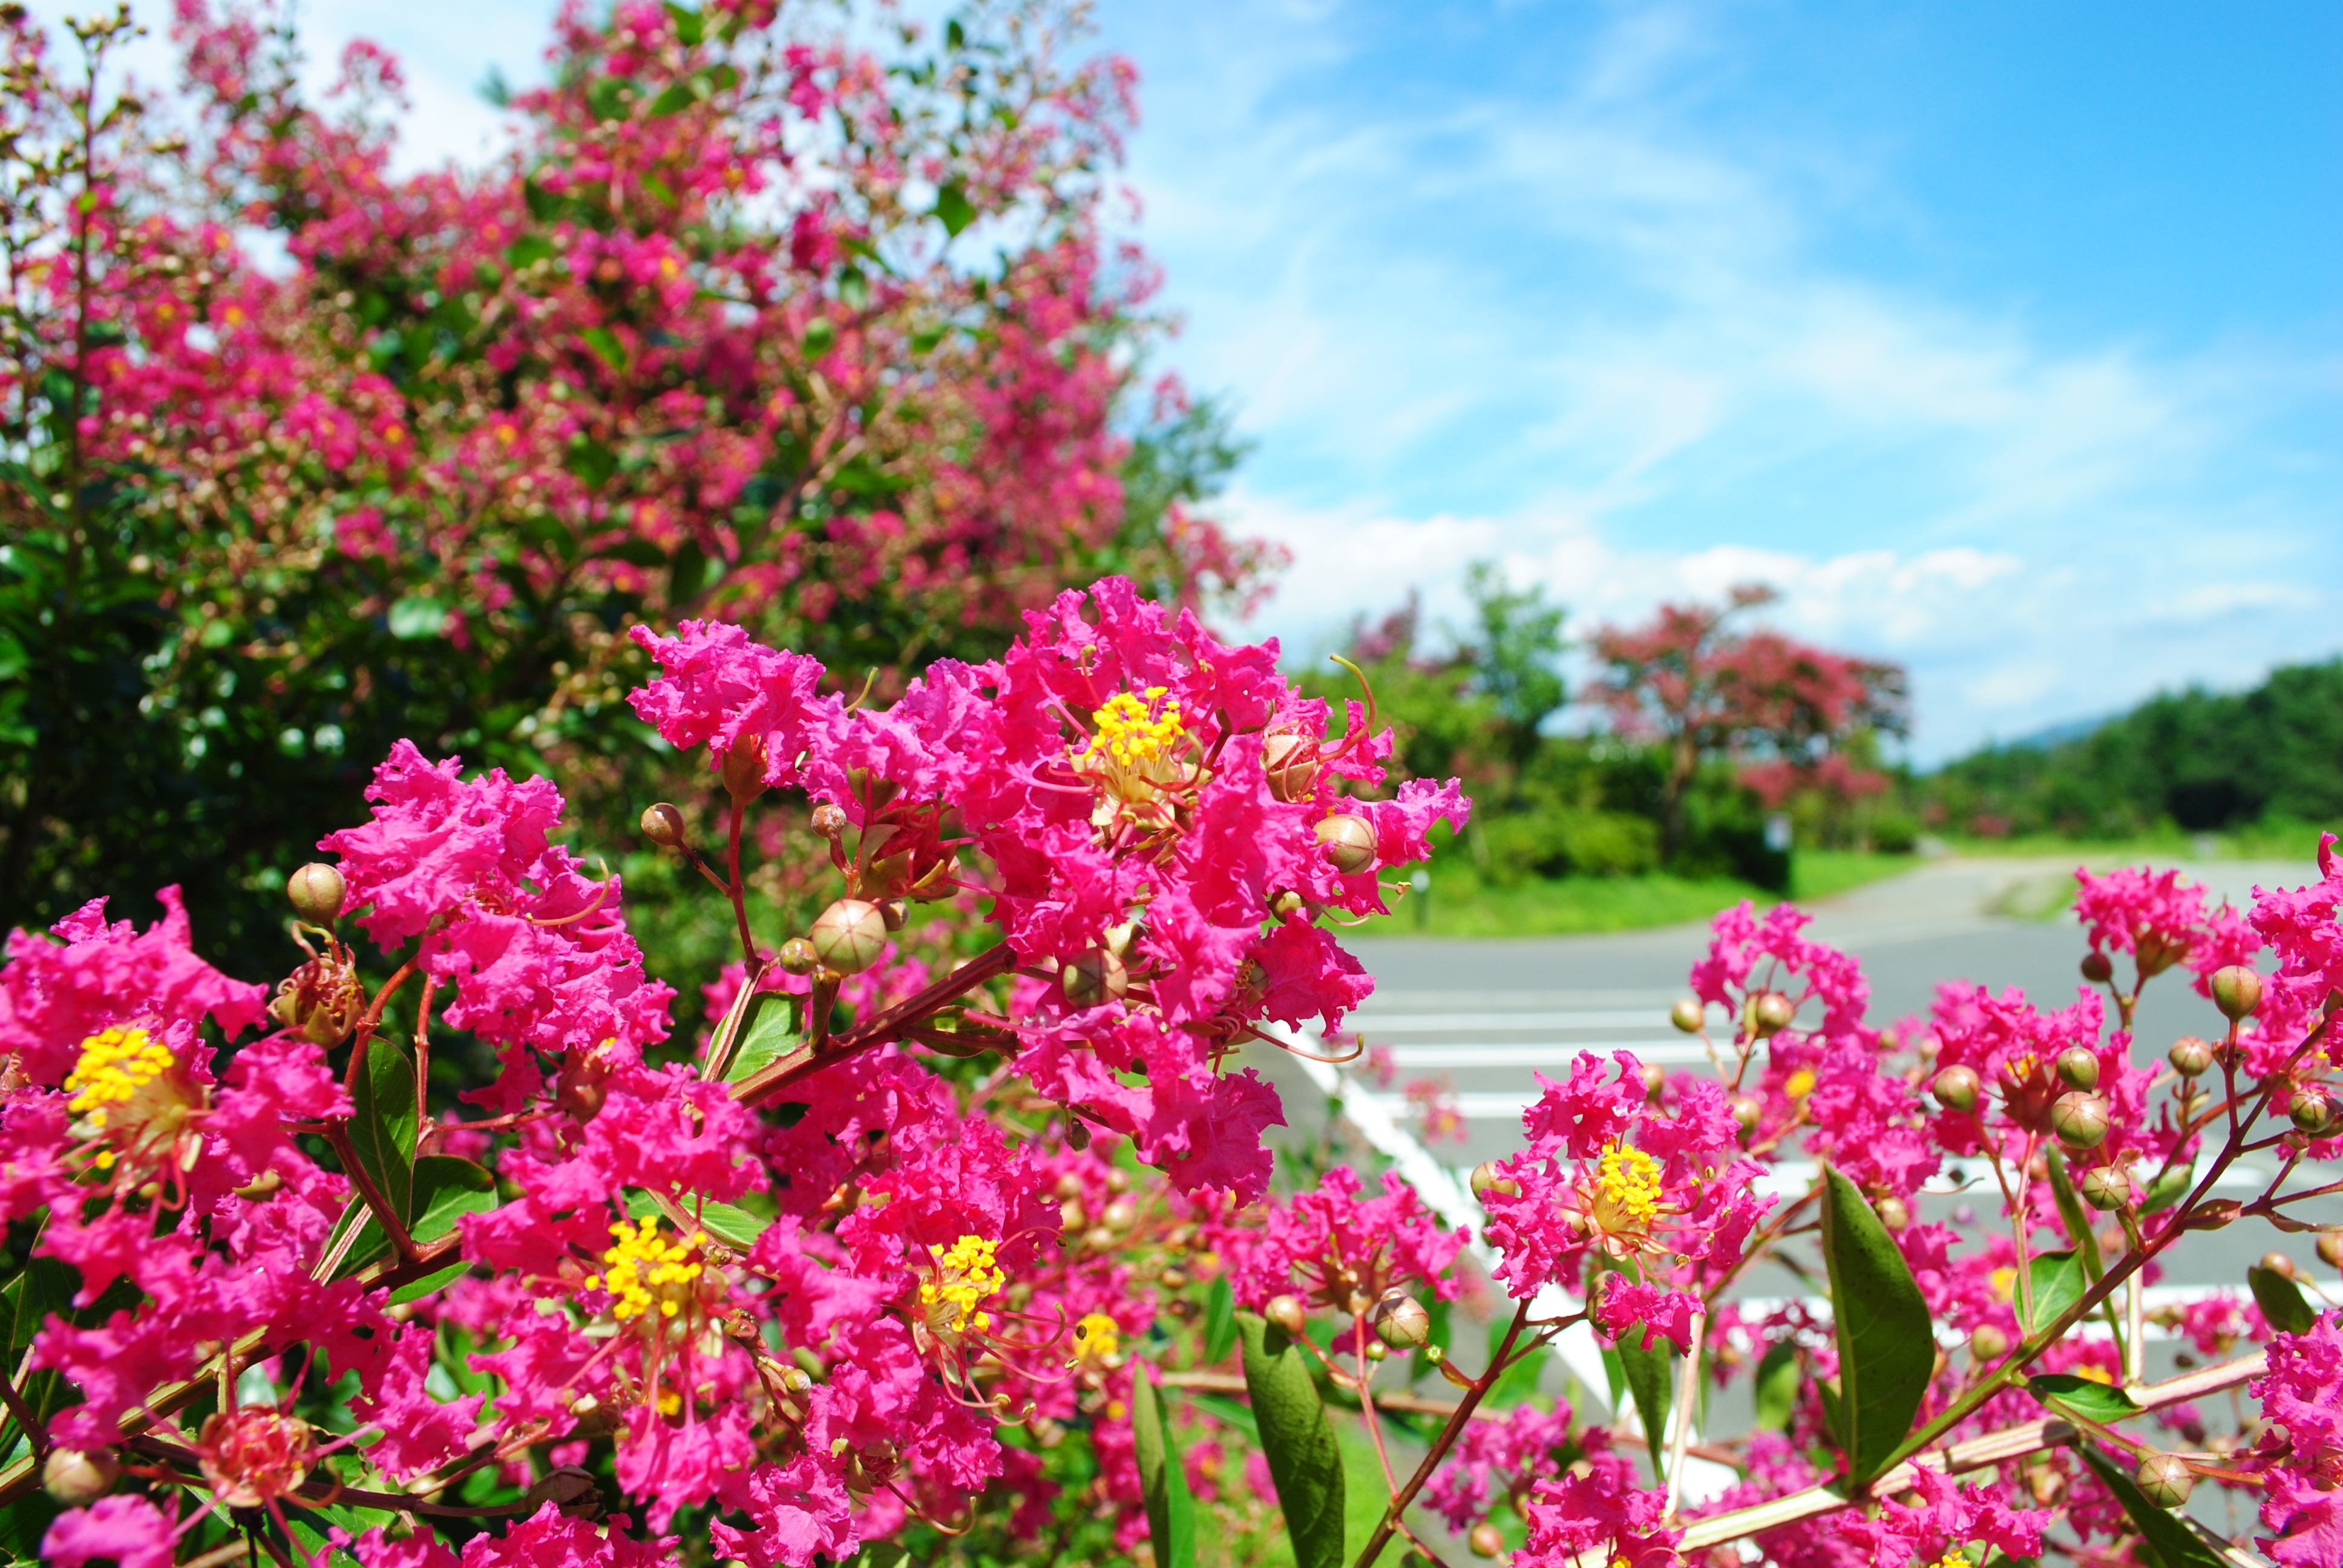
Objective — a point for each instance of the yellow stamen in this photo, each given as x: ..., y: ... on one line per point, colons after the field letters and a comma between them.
x: 114, y: 1065
x: 1629, y: 1180
x: 1799, y: 1084
x: 965, y: 1275
x: 1129, y: 731
x: 1097, y: 1337
x: 647, y: 1270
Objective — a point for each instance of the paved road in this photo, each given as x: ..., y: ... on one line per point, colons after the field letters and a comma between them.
x: 1486, y: 1014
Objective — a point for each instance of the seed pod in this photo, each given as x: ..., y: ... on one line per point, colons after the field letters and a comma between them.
x: 2236, y: 990
x: 2166, y: 1480
x: 79, y: 1478
x: 849, y: 936
x: 797, y: 956
x: 2079, y: 1119
x: 2312, y: 1111
x: 663, y: 825
x: 2106, y: 1189
x: 316, y: 890
x: 2280, y: 1264
x: 2190, y: 1057
x: 1350, y: 843
x: 744, y: 769
x: 1688, y: 1015
x: 1093, y: 979
x: 1772, y: 1014
x: 1487, y: 1182
x: 1399, y: 1319
x: 1988, y: 1344
x: 2330, y: 1248
x: 1292, y: 771
x: 1956, y: 1088
x: 2078, y: 1067
x: 1487, y: 1539
x: 2096, y: 968
x: 2213, y: 1214
x: 1893, y: 1212
x: 1286, y: 1312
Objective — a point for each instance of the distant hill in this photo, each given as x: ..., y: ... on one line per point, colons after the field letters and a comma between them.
x: 2203, y: 762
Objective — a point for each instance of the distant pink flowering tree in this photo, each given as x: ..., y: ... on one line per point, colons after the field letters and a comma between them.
x: 1701, y: 687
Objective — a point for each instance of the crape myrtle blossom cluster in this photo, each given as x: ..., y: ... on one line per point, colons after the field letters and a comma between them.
x: 793, y: 1288
x: 441, y: 1251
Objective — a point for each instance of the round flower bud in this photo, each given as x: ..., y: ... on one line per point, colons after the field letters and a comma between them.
x: 1399, y: 1319
x: 2190, y: 1057
x: 894, y: 912
x: 1688, y: 1015
x: 2312, y: 1111
x: 79, y: 1478
x: 2278, y: 1263
x: 1093, y: 979
x: 1120, y: 1215
x: 1377, y: 1350
x: 1747, y: 1109
x: 1988, y: 1344
x: 2096, y: 968
x: 828, y: 819
x: 1487, y: 1539
x: 2214, y: 1214
x: 2078, y: 1067
x: 1350, y: 843
x: 316, y: 890
x: 1893, y: 1212
x: 1487, y: 1182
x: 2079, y: 1119
x: 2046, y: 1485
x: 1655, y: 1078
x: 1772, y: 1014
x: 849, y: 936
x: 2166, y: 1480
x: 1956, y: 1088
x: 1287, y: 904
x: 744, y: 769
x: 2236, y: 990
x: 663, y: 825
x: 2106, y: 1189
x: 797, y: 956
x: 1291, y: 770
x: 2330, y: 1248
x: 1286, y: 1312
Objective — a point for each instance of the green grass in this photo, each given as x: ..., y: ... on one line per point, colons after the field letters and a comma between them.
x: 1462, y: 905
x: 2277, y: 839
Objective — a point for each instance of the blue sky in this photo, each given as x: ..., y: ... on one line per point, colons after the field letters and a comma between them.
x: 2006, y: 338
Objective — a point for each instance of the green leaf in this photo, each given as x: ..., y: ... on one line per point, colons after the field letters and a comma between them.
x: 2168, y: 1190
x: 430, y: 1283
x: 820, y: 333
x: 854, y: 289
x: 635, y: 552
x: 678, y: 97
x: 690, y: 26
x: 1886, y: 1348
x: 2174, y: 1541
x: 2083, y: 1396
x: 1777, y: 1382
x: 767, y: 1033
x: 1297, y: 1439
x: 953, y: 209
x: 605, y: 347
x: 383, y: 1124
x: 411, y: 618
x: 735, y: 1227
x: 2070, y: 1209
x: 1219, y: 1322
x: 528, y: 250
x: 590, y: 460
x: 1162, y: 1479
x: 444, y: 1189
x: 1650, y: 1376
x: 2281, y: 1301
x: 2059, y: 1284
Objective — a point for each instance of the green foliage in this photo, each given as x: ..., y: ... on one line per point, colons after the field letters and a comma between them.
x: 1297, y: 1439
x: 2281, y: 1301
x: 2176, y: 1546
x: 2202, y: 761
x: 1886, y: 1348
x: 1162, y: 1479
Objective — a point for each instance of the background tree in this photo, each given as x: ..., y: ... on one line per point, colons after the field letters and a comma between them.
x: 1695, y: 683
x: 771, y: 315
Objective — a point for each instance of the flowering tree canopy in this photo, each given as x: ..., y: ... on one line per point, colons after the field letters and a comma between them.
x: 1704, y: 688
x: 766, y: 317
